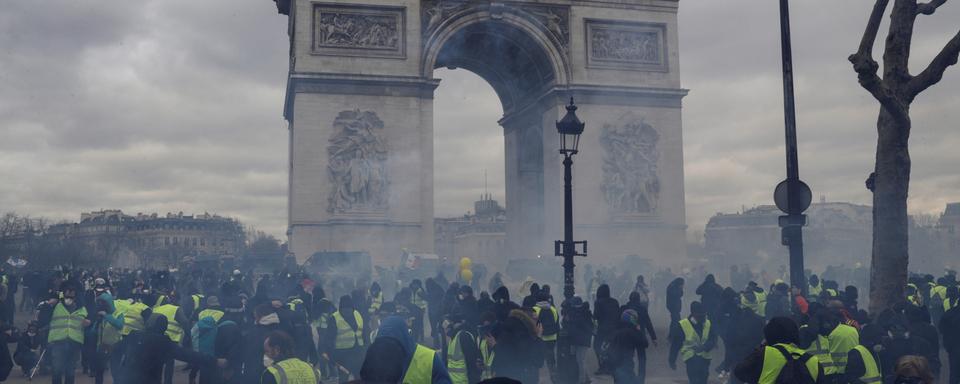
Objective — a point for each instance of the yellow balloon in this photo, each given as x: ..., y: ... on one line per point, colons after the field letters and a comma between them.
x: 465, y: 263
x: 466, y: 275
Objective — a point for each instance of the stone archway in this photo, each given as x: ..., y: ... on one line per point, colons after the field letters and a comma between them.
x: 360, y: 112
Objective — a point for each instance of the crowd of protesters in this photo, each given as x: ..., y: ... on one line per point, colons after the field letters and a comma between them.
x: 235, y: 327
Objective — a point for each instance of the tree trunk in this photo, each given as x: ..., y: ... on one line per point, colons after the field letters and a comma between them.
x: 888, y: 272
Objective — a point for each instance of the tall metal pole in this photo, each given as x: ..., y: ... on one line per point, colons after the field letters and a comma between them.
x: 569, y: 247
x: 793, y: 223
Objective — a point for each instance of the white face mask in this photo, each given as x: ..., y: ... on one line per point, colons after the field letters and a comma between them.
x: 267, y: 361
x: 68, y: 301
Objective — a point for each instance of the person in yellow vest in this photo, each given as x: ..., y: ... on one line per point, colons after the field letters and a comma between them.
x: 863, y: 364
x: 842, y: 339
x: 394, y: 357
x: 814, y: 288
x: 212, y: 310
x: 107, y: 327
x: 348, y: 338
x: 938, y: 293
x: 912, y: 295
x: 486, y: 345
x: 463, y: 353
x: 135, y: 315
x: 951, y: 299
x: 418, y: 297
x: 765, y: 364
x: 693, y: 339
x: 66, y: 336
x: 283, y: 367
x: 376, y: 298
x: 754, y: 299
x: 177, y: 322
x: 816, y: 343
x: 549, y: 319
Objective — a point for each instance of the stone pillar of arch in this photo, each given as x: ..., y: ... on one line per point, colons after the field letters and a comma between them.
x: 360, y: 111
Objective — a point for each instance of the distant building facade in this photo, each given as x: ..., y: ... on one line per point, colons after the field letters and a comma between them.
x: 836, y: 234
x: 112, y: 237
x: 480, y: 236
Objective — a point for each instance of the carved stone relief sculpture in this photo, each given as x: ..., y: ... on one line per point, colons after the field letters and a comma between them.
x: 358, y: 30
x: 553, y: 20
x: 631, y: 181
x: 625, y: 45
x: 357, y: 154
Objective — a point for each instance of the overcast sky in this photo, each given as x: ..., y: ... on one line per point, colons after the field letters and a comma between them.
x: 175, y: 105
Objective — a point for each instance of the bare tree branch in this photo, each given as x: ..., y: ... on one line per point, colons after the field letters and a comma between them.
x: 866, y: 67
x: 930, y: 7
x: 934, y: 71
x: 873, y: 25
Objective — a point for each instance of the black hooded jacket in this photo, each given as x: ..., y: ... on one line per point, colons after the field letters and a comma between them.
x: 606, y: 310
x: 502, y: 304
x: 143, y: 353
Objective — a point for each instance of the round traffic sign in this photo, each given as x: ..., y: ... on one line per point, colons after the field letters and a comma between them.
x: 798, y: 202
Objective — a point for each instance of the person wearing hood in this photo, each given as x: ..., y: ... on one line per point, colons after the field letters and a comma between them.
x: 416, y: 363
x: 744, y: 333
x: 105, y: 331
x: 710, y: 293
x: 484, y: 303
x: 27, y: 345
x: 548, y: 319
x: 578, y: 326
x: 518, y: 348
x: 143, y: 353
x: 693, y: 339
x: 606, y: 312
x: 675, y: 299
x: 439, y: 302
x: 65, y: 338
x: 348, y: 337
x: 765, y: 364
x: 502, y: 306
x: 624, y: 341
x: 177, y: 323
x: 467, y: 308
x: 463, y: 355
x: 265, y: 320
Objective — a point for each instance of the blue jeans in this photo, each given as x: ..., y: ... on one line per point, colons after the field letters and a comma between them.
x: 63, y: 359
x: 624, y: 373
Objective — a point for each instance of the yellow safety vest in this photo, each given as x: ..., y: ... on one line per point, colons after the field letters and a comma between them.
x: 556, y: 319
x: 348, y: 337
x: 762, y: 303
x: 938, y: 290
x: 832, y: 292
x: 456, y: 363
x: 216, y: 314
x: 487, y: 354
x: 691, y: 340
x: 174, y: 330
x: 294, y: 371
x: 774, y: 361
x: 375, y: 303
x: 160, y: 301
x: 815, y: 290
x: 196, y: 300
x: 872, y: 372
x: 420, y: 370
x: 109, y: 335
x: 417, y: 299
x: 842, y: 340
x: 66, y: 325
x: 821, y: 349
x: 133, y: 318
x: 948, y: 305
x: 752, y: 305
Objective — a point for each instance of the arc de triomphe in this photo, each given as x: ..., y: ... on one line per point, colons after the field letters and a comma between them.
x: 360, y: 109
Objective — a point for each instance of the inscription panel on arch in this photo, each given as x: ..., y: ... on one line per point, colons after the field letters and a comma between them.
x: 626, y: 45
x: 359, y: 30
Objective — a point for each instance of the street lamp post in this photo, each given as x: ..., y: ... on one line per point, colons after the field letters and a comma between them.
x: 792, y: 195
x: 570, y: 128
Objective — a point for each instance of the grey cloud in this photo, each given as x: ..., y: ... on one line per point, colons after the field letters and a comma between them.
x: 169, y: 105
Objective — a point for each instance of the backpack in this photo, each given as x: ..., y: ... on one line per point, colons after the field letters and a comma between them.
x: 548, y: 322
x: 795, y: 369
